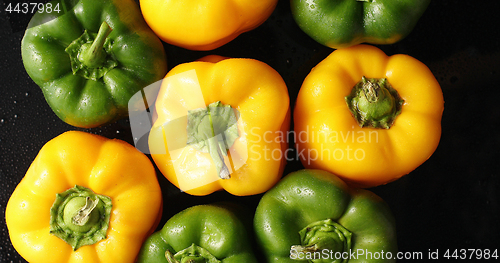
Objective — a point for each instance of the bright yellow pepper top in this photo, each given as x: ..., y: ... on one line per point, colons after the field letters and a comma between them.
x: 204, y: 24
x: 240, y: 106
x: 330, y: 138
x: 111, y: 169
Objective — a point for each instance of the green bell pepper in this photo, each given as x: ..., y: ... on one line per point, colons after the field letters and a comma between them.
x: 314, y: 216
x: 90, y: 57
x: 216, y: 233
x: 344, y: 23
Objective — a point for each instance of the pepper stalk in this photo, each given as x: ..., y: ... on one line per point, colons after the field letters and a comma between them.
x: 192, y: 254
x: 91, y: 55
x: 213, y: 130
x: 80, y: 217
x: 320, y: 235
x: 374, y: 103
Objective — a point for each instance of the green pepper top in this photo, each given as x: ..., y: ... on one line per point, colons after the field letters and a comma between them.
x: 214, y: 233
x: 90, y: 57
x: 344, y: 23
x: 313, y: 216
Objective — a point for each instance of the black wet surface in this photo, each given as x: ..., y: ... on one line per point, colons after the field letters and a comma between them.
x: 449, y: 202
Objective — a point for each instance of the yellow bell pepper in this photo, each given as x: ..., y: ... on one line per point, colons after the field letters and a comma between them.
x: 367, y: 117
x: 85, y: 198
x: 218, y: 126
x: 204, y: 25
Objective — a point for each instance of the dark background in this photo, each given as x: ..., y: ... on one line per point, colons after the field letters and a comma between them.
x: 449, y: 202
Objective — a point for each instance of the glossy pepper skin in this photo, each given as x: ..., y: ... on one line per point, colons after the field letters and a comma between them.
x: 258, y: 97
x: 314, y: 211
x: 206, y: 24
x: 367, y: 155
x: 214, y: 232
x: 92, y: 89
x: 112, y: 169
x: 344, y: 23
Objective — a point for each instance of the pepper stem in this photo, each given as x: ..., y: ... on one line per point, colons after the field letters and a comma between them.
x: 80, y: 217
x: 192, y: 254
x: 305, y: 249
x: 213, y: 130
x: 321, y: 235
x: 93, y: 54
x: 374, y: 103
x: 217, y: 157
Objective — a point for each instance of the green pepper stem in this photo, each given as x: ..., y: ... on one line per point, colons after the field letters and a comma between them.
x: 82, y: 216
x: 374, y: 103
x: 170, y: 257
x: 215, y: 150
x: 217, y: 157
x: 213, y: 130
x: 325, y: 234
x: 93, y: 56
x: 191, y: 254
x: 305, y: 249
x: 371, y: 90
x: 188, y: 259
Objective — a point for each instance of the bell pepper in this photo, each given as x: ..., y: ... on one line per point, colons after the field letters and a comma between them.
x: 367, y: 117
x: 85, y: 198
x: 220, y: 125
x: 204, y: 25
x: 344, y: 23
x: 90, y: 58
x: 211, y: 233
x: 312, y: 215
